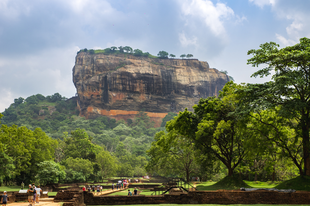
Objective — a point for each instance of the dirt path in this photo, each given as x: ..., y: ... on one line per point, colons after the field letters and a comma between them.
x: 37, y: 204
x: 43, y: 202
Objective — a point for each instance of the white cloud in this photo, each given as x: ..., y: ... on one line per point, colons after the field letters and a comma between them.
x: 45, y: 73
x: 262, y: 3
x: 185, y: 41
x: 212, y: 15
x: 12, y: 10
x: 284, y: 41
x: 295, y: 13
x: 6, y: 99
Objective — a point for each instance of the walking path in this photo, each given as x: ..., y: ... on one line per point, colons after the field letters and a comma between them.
x: 107, y: 192
x: 43, y: 202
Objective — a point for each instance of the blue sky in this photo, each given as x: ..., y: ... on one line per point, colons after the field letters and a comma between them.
x: 39, y: 39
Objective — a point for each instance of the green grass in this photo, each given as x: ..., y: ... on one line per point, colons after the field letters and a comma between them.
x: 297, y: 183
x: 123, y: 193
x: 145, y: 192
x: 52, y: 193
x: 258, y: 184
x: 11, y: 188
x: 227, y: 183
x: 64, y: 187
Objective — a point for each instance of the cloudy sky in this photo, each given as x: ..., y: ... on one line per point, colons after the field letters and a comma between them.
x: 39, y: 39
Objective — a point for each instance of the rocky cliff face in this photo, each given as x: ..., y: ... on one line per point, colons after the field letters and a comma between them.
x: 121, y: 85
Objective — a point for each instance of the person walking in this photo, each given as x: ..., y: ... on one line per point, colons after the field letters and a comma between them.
x: 135, y: 192
x: 22, y: 185
x: 4, y: 198
x: 38, y: 193
x: 34, y: 193
x: 30, y: 195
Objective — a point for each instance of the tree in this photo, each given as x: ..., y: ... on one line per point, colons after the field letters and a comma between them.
x: 183, y: 56
x: 289, y: 89
x: 189, y: 55
x: 113, y: 48
x: 172, y: 154
x: 138, y: 52
x: 163, y: 54
x: 128, y: 49
x: 79, y: 145
x: 214, y: 128
x: 107, y: 164
x: 121, y: 49
x: 172, y: 55
x: 18, y: 101
x: 50, y: 172
x: 167, y: 118
x: 80, y: 165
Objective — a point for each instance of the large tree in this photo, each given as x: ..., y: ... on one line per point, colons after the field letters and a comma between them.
x: 173, y: 154
x: 214, y: 127
x: 288, y: 90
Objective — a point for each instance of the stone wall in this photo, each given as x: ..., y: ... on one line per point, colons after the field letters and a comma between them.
x: 205, y: 197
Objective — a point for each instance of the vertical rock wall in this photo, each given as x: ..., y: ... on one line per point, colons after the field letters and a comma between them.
x: 121, y: 85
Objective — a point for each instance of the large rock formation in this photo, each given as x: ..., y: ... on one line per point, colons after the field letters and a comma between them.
x: 121, y: 85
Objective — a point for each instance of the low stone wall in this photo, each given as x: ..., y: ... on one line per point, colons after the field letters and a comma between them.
x: 205, y: 197
x: 70, y: 198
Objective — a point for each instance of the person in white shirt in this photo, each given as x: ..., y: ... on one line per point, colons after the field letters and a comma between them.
x: 38, y: 191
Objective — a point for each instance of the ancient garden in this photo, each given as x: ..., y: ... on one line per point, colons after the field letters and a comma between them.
x: 146, y: 130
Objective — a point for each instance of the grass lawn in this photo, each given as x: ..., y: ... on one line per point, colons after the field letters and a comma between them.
x: 11, y: 188
x: 123, y: 193
x: 227, y: 183
x: 258, y: 184
x: 52, y: 194
x: 297, y: 183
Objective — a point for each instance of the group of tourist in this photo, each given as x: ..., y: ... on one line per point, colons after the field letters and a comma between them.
x: 121, y: 184
x: 33, y: 193
x: 93, y: 188
x: 135, y: 192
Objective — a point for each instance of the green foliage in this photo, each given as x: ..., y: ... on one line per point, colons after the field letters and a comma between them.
x: 79, y: 145
x: 138, y: 52
x: 50, y: 172
x: 189, y: 56
x: 167, y: 118
x: 172, y: 155
x: 183, y: 56
x: 172, y: 55
x: 288, y: 91
x: 214, y: 128
x: 162, y: 54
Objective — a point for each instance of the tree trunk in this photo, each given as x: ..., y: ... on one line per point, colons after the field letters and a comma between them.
x: 306, y: 146
x: 274, y: 173
x: 187, y: 175
x: 230, y: 170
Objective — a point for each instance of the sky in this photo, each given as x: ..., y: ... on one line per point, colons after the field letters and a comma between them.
x: 39, y: 39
